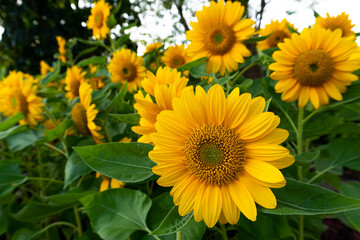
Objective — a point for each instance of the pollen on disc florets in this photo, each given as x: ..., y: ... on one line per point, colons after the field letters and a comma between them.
x: 313, y: 68
x: 220, y: 39
x: 214, y: 154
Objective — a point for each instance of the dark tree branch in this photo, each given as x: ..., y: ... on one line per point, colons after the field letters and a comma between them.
x: 260, y: 13
x: 179, y: 5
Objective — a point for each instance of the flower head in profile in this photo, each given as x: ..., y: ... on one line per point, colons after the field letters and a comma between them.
x: 74, y: 77
x: 62, y: 51
x: 163, y: 87
x: 175, y: 56
x: 315, y: 65
x: 219, y: 35
x: 278, y: 30
x: 341, y: 21
x: 18, y: 94
x: 83, y: 114
x: 95, y: 82
x: 152, y: 47
x: 45, y: 68
x: 126, y: 66
x: 97, y: 20
x: 220, y: 155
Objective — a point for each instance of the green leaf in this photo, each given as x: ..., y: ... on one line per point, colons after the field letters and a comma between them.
x: 256, y: 39
x: 23, y: 234
x: 200, y: 71
x: 299, y: 198
x: 190, y: 65
x: 21, y: 140
x: 96, y: 60
x: 8, y: 123
x: 117, y: 213
x: 13, y: 130
x: 51, y: 76
x: 122, y: 40
x: 307, y: 157
x: 164, y: 217
x: 118, y: 98
x: 58, y: 131
x: 132, y: 118
x: 75, y: 166
x: 35, y: 211
x: 352, y: 190
x: 193, y: 230
x: 267, y: 105
x: 117, y: 8
x: 111, y: 21
x: 71, y: 197
x: 127, y: 162
x: 315, y: 14
x: 345, y: 152
x: 10, y: 176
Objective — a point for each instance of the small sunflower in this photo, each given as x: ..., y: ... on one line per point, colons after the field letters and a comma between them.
x: 219, y: 35
x: 97, y: 20
x: 83, y: 114
x: 315, y: 65
x: 74, y: 77
x: 45, y: 68
x: 278, y: 30
x: 341, y: 21
x: 164, y: 87
x: 175, y: 56
x: 95, y: 82
x: 62, y: 51
x: 126, y: 66
x: 18, y: 94
x: 220, y: 155
x: 152, y: 47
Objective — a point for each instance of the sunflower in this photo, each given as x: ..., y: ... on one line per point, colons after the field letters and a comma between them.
x: 113, y: 182
x: 164, y: 87
x: 126, y: 66
x: 62, y: 51
x: 219, y: 34
x: 315, y: 65
x: 175, y: 56
x: 97, y: 20
x: 339, y: 22
x: 220, y: 155
x: 83, y: 114
x: 152, y: 47
x: 278, y: 30
x: 74, y: 77
x: 95, y: 82
x: 18, y: 94
x: 45, y: 68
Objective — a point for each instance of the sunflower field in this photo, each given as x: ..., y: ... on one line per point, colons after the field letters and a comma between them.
x: 241, y: 133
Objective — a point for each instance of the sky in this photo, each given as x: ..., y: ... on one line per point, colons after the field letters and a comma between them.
x: 302, y: 16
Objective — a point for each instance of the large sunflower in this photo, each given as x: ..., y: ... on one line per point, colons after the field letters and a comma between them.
x: 164, y: 87
x: 74, y: 77
x: 219, y: 155
x: 18, y: 94
x: 126, y: 66
x: 62, y: 51
x: 315, y: 65
x: 219, y: 34
x: 83, y: 114
x: 97, y: 20
x: 175, y: 56
x: 341, y: 21
x: 278, y: 30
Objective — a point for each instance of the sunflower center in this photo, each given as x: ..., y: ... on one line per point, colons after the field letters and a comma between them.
x: 276, y: 37
x: 98, y: 19
x: 18, y: 100
x: 79, y: 117
x: 214, y: 154
x: 177, y: 61
x: 128, y: 72
x: 74, y: 87
x: 220, y: 39
x: 313, y: 68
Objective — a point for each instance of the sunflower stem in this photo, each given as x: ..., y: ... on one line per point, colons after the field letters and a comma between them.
x: 78, y: 221
x: 223, y: 232
x: 52, y: 225
x: 45, y: 179
x: 179, y: 235
x: 299, y: 168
